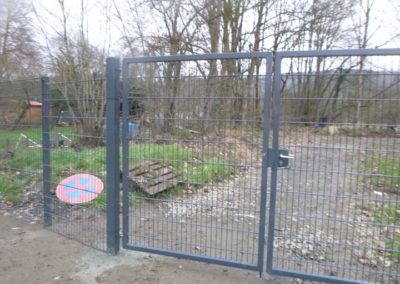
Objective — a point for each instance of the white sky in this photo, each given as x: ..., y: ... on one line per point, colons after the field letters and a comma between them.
x: 101, y: 32
x: 385, y: 22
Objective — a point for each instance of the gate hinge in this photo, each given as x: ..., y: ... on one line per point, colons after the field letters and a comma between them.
x: 279, y: 158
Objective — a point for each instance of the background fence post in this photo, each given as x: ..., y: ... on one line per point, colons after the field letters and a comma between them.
x: 45, y: 94
x: 112, y: 144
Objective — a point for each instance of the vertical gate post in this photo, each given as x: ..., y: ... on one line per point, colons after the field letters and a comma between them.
x: 275, y: 149
x: 264, y: 174
x: 45, y: 96
x: 112, y: 149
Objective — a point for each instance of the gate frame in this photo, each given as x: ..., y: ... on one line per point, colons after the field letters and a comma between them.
x: 268, y: 56
x: 270, y: 156
x: 275, y: 148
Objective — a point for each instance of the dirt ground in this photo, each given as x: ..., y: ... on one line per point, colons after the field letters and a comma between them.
x: 31, y: 254
x: 325, y: 225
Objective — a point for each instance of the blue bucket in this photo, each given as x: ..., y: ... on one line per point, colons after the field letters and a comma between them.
x: 133, y: 130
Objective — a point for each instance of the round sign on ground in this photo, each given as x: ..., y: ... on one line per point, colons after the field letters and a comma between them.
x: 79, y: 188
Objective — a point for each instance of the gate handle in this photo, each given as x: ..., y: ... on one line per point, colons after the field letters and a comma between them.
x: 286, y: 156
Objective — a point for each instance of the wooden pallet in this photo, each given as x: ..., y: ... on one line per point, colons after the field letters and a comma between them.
x: 152, y: 177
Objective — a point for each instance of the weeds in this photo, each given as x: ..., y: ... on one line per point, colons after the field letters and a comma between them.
x: 386, y: 177
x: 389, y: 214
x: 194, y: 166
x: 11, y: 189
x: 393, y: 246
x: 9, y: 138
x: 388, y: 171
x: 99, y: 202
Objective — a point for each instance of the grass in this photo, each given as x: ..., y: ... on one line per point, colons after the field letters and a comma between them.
x: 394, y: 246
x: 390, y: 168
x: 33, y: 133
x: 89, y: 159
x: 9, y: 138
x: 11, y: 188
x: 389, y: 214
x: 99, y: 202
x: 194, y: 166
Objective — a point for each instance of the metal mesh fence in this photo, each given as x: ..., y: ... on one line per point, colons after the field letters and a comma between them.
x: 77, y: 161
x: 20, y: 147
x: 195, y: 160
x: 338, y: 204
x: 75, y: 122
x: 192, y: 166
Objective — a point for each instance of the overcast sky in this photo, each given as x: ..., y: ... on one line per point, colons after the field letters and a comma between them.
x: 385, y: 22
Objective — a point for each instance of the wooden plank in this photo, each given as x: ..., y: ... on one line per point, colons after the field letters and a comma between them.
x: 163, y: 178
x: 156, y: 166
x: 137, y: 181
x: 142, y: 168
x: 152, y: 176
x: 163, y: 171
x: 160, y: 187
x: 143, y: 164
x: 156, y: 171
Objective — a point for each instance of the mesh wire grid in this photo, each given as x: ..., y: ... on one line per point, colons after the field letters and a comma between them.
x: 77, y: 147
x: 337, y: 207
x: 20, y: 147
x: 202, y: 133
x: 199, y: 124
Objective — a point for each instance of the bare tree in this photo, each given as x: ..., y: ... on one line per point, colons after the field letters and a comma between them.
x: 19, y: 52
x: 322, y: 27
x: 362, y: 37
x: 191, y: 26
x: 78, y: 68
x: 173, y: 34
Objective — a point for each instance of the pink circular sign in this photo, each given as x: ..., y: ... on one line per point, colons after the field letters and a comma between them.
x: 79, y: 188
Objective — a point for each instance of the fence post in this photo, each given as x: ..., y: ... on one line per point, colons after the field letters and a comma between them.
x: 45, y: 94
x: 112, y: 145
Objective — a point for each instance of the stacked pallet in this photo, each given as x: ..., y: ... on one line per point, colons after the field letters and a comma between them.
x: 152, y: 177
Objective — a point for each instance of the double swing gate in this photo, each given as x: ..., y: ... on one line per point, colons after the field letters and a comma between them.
x: 227, y: 156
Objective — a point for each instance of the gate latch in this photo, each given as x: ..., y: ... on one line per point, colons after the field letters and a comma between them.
x: 282, y: 158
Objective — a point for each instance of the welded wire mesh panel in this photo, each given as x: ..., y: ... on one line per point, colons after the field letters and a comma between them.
x: 193, y: 169
x: 20, y: 146
x: 77, y: 160
x: 338, y: 203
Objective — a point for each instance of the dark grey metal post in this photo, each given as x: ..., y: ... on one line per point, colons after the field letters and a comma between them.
x: 44, y: 85
x: 113, y: 170
x: 125, y: 154
x: 264, y: 173
x: 274, y: 167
